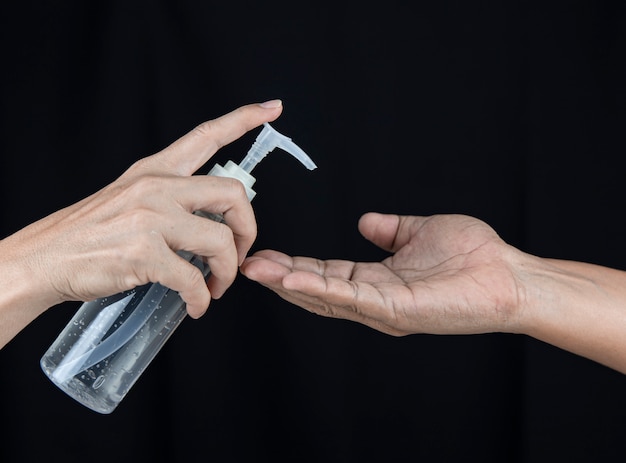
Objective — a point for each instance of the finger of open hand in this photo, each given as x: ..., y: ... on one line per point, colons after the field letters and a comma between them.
x: 266, y: 271
x: 340, y: 298
x: 330, y: 268
x: 334, y: 297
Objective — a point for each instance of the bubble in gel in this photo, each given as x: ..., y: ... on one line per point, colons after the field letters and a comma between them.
x: 98, y: 382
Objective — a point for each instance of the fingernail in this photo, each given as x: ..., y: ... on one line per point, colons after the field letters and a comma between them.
x: 271, y: 104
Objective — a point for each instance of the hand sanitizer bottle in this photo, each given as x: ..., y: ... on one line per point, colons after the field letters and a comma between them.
x: 110, y: 341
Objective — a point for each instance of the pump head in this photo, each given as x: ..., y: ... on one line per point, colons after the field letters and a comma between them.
x: 266, y: 141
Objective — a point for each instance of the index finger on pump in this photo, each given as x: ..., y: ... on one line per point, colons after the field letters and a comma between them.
x: 190, y: 152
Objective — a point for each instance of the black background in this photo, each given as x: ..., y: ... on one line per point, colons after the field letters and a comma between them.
x: 510, y: 111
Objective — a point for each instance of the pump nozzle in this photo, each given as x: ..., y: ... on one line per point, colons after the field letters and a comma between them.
x: 265, y: 142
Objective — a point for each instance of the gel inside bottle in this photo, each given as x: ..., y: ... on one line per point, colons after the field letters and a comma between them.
x: 110, y: 341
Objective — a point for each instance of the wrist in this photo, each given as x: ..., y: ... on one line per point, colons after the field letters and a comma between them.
x: 575, y: 306
x: 25, y: 293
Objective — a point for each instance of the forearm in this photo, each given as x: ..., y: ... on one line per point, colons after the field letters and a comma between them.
x: 578, y: 307
x: 23, y: 293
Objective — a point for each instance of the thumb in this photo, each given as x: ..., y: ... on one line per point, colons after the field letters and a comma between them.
x: 380, y: 229
x: 391, y: 232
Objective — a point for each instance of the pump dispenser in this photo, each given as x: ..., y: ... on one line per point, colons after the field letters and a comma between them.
x: 265, y: 142
x: 110, y: 341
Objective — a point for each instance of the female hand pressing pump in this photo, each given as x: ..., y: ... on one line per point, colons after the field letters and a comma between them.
x: 128, y: 233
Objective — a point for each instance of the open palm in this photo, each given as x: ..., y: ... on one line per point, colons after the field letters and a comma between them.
x: 446, y: 274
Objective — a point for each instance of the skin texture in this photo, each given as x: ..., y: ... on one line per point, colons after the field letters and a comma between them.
x: 127, y: 234
x: 453, y: 274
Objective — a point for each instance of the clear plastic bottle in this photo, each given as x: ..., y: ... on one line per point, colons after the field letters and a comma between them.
x: 110, y: 341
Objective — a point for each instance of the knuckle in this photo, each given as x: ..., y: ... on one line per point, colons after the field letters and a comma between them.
x: 206, y: 130
x: 234, y: 187
x: 250, y: 229
x: 138, y: 248
x: 194, y: 278
x: 145, y: 186
x: 139, y: 223
x: 140, y: 238
x: 139, y: 165
x: 222, y: 238
x: 137, y: 191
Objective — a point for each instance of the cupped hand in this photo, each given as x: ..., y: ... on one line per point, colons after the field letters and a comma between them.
x: 447, y: 274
